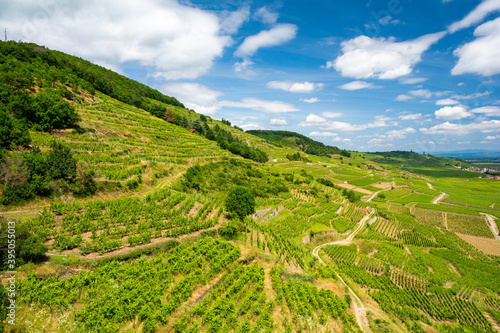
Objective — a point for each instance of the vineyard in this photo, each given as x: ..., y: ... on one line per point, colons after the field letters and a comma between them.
x: 157, y: 245
x: 103, y: 226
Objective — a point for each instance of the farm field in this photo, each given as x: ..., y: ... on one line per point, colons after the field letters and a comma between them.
x: 343, y: 242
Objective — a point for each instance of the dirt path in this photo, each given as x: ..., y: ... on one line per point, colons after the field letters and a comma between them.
x: 493, y: 225
x: 359, y: 307
x: 373, y: 196
x: 430, y: 186
x: 439, y: 198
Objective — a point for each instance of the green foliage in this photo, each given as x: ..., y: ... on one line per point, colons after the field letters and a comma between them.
x: 240, y: 202
x: 28, y: 247
x: 53, y: 112
x: 296, y: 140
x: 61, y: 162
x: 13, y: 132
x: 350, y: 195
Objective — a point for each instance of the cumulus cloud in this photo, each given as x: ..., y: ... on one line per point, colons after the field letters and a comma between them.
x: 392, y: 135
x: 339, y: 139
x: 278, y: 122
x: 332, y: 114
x: 364, y: 57
x: 426, y: 93
x: 492, y: 137
x: 310, y: 100
x: 295, y: 87
x: 447, y: 101
x: 261, y: 105
x: 412, y: 80
x: 265, y: 15
x: 482, y: 55
x: 278, y: 35
x: 195, y: 96
x: 485, y: 126
x: 356, y: 85
x: 329, y: 125
x: 475, y: 16
x: 488, y: 111
x: 176, y: 41
x: 322, y: 134
x: 403, y: 97
x: 232, y: 21
x: 453, y: 113
x: 410, y: 116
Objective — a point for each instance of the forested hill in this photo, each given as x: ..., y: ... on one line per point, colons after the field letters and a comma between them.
x: 30, y: 64
x: 296, y: 140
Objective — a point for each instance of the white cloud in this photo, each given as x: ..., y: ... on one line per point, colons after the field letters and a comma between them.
x: 412, y: 80
x: 278, y: 122
x: 492, y: 137
x: 329, y: 125
x: 400, y: 134
x: 356, y: 85
x: 261, y: 105
x: 339, y: 139
x: 392, y: 135
x: 488, y: 111
x: 332, y: 114
x: 232, y: 21
x: 252, y: 126
x: 452, y: 113
x: 195, y: 96
x: 426, y: 93
x: 471, y: 96
x: 364, y: 57
x: 176, y: 41
x: 481, y: 56
x: 314, y: 119
x: 322, y: 134
x: 244, y: 68
x: 485, y: 126
x: 447, y: 101
x: 295, y: 87
x: 278, y: 35
x: 403, y: 98
x: 310, y: 100
x: 475, y: 16
x: 411, y: 116
x: 266, y: 16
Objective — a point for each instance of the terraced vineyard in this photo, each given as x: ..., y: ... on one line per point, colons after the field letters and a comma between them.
x: 156, y: 246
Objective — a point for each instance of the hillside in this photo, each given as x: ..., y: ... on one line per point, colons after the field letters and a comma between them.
x: 298, y: 141
x: 353, y: 243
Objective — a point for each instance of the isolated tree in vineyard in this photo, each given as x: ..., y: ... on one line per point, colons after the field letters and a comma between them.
x: 240, y: 202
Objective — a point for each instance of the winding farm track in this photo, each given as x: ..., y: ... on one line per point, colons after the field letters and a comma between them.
x: 439, y: 198
x: 493, y: 225
x: 359, y: 307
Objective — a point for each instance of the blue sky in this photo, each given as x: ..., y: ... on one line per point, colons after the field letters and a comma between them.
x: 362, y: 75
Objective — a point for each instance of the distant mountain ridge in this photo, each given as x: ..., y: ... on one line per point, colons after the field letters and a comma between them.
x: 469, y: 154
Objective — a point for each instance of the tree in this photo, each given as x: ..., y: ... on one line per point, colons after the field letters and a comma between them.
x: 12, y: 131
x: 240, y: 202
x: 169, y: 116
x: 62, y: 163
x: 184, y: 122
x: 29, y: 248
